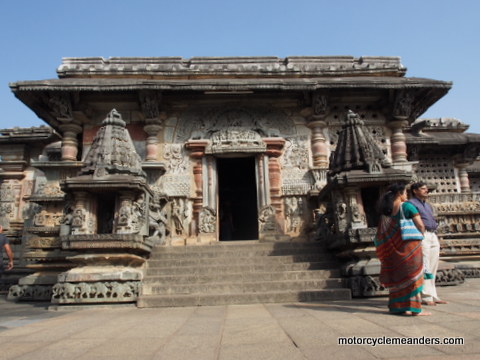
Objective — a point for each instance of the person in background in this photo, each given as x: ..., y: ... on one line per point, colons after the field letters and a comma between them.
x: 430, y: 245
x: 401, y: 261
x: 4, y: 244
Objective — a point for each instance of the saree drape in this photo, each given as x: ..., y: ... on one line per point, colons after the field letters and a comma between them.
x: 401, y: 266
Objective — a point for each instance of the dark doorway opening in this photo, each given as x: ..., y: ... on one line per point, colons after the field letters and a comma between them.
x: 105, y: 213
x: 237, y: 199
x: 370, y: 200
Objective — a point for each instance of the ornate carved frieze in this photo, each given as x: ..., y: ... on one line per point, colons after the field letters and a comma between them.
x: 36, y: 242
x: 49, y: 189
x: 455, y: 202
x: 30, y: 293
x: 203, y: 122
x: 95, y: 292
x: 46, y: 218
x: 235, y: 139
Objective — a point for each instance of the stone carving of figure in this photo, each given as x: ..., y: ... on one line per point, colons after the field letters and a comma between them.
x: 78, y: 218
x: 179, y: 215
x: 40, y: 219
x: 290, y: 211
x: 208, y: 220
x: 157, y: 220
x: 342, y: 216
x: 61, y: 106
x: 319, y: 104
x: 66, y: 222
x: 124, y: 213
x: 267, y: 219
x: 403, y: 104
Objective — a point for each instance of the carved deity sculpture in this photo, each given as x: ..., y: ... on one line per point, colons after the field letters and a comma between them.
x: 158, y: 222
x: 267, y: 219
x: 78, y: 221
x: 208, y: 220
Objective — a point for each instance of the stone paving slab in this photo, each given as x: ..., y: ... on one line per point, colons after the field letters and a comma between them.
x: 303, y: 331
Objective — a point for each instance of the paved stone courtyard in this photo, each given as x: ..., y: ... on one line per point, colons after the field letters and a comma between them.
x: 261, y: 331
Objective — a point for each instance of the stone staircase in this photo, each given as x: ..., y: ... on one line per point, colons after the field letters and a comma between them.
x: 240, y: 273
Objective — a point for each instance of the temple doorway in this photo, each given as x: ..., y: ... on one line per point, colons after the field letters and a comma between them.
x: 237, y: 201
x: 105, y: 212
x: 370, y: 198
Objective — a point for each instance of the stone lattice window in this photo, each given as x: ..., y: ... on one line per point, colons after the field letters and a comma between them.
x: 439, y: 170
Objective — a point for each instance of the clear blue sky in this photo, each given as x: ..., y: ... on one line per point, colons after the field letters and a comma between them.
x: 435, y: 39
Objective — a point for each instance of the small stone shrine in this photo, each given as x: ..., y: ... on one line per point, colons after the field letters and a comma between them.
x: 145, y: 153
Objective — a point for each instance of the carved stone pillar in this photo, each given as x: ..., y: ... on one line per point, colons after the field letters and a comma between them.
x: 197, y: 148
x: 70, y: 132
x: 152, y: 131
x: 463, y: 176
x: 274, y: 150
x: 318, y: 143
x: 398, y: 141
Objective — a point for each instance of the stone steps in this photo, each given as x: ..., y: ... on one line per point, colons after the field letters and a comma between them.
x: 240, y: 287
x: 241, y: 277
x: 237, y: 268
x: 228, y: 258
x: 243, y: 298
x: 240, y: 273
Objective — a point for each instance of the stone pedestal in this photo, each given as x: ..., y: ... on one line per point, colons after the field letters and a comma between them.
x: 100, y: 278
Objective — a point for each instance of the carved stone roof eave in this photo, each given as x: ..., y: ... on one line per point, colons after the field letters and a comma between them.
x: 361, y: 179
x: 228, y: 84
x: 443, y: 138
x: 31, y: 93
x: 109, y: 183
x: 41, y: 134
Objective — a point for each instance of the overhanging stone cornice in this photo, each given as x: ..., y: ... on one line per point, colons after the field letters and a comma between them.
x: 292, y: 84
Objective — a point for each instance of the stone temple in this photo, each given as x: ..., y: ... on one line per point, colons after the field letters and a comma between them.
x: 166, y: 181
